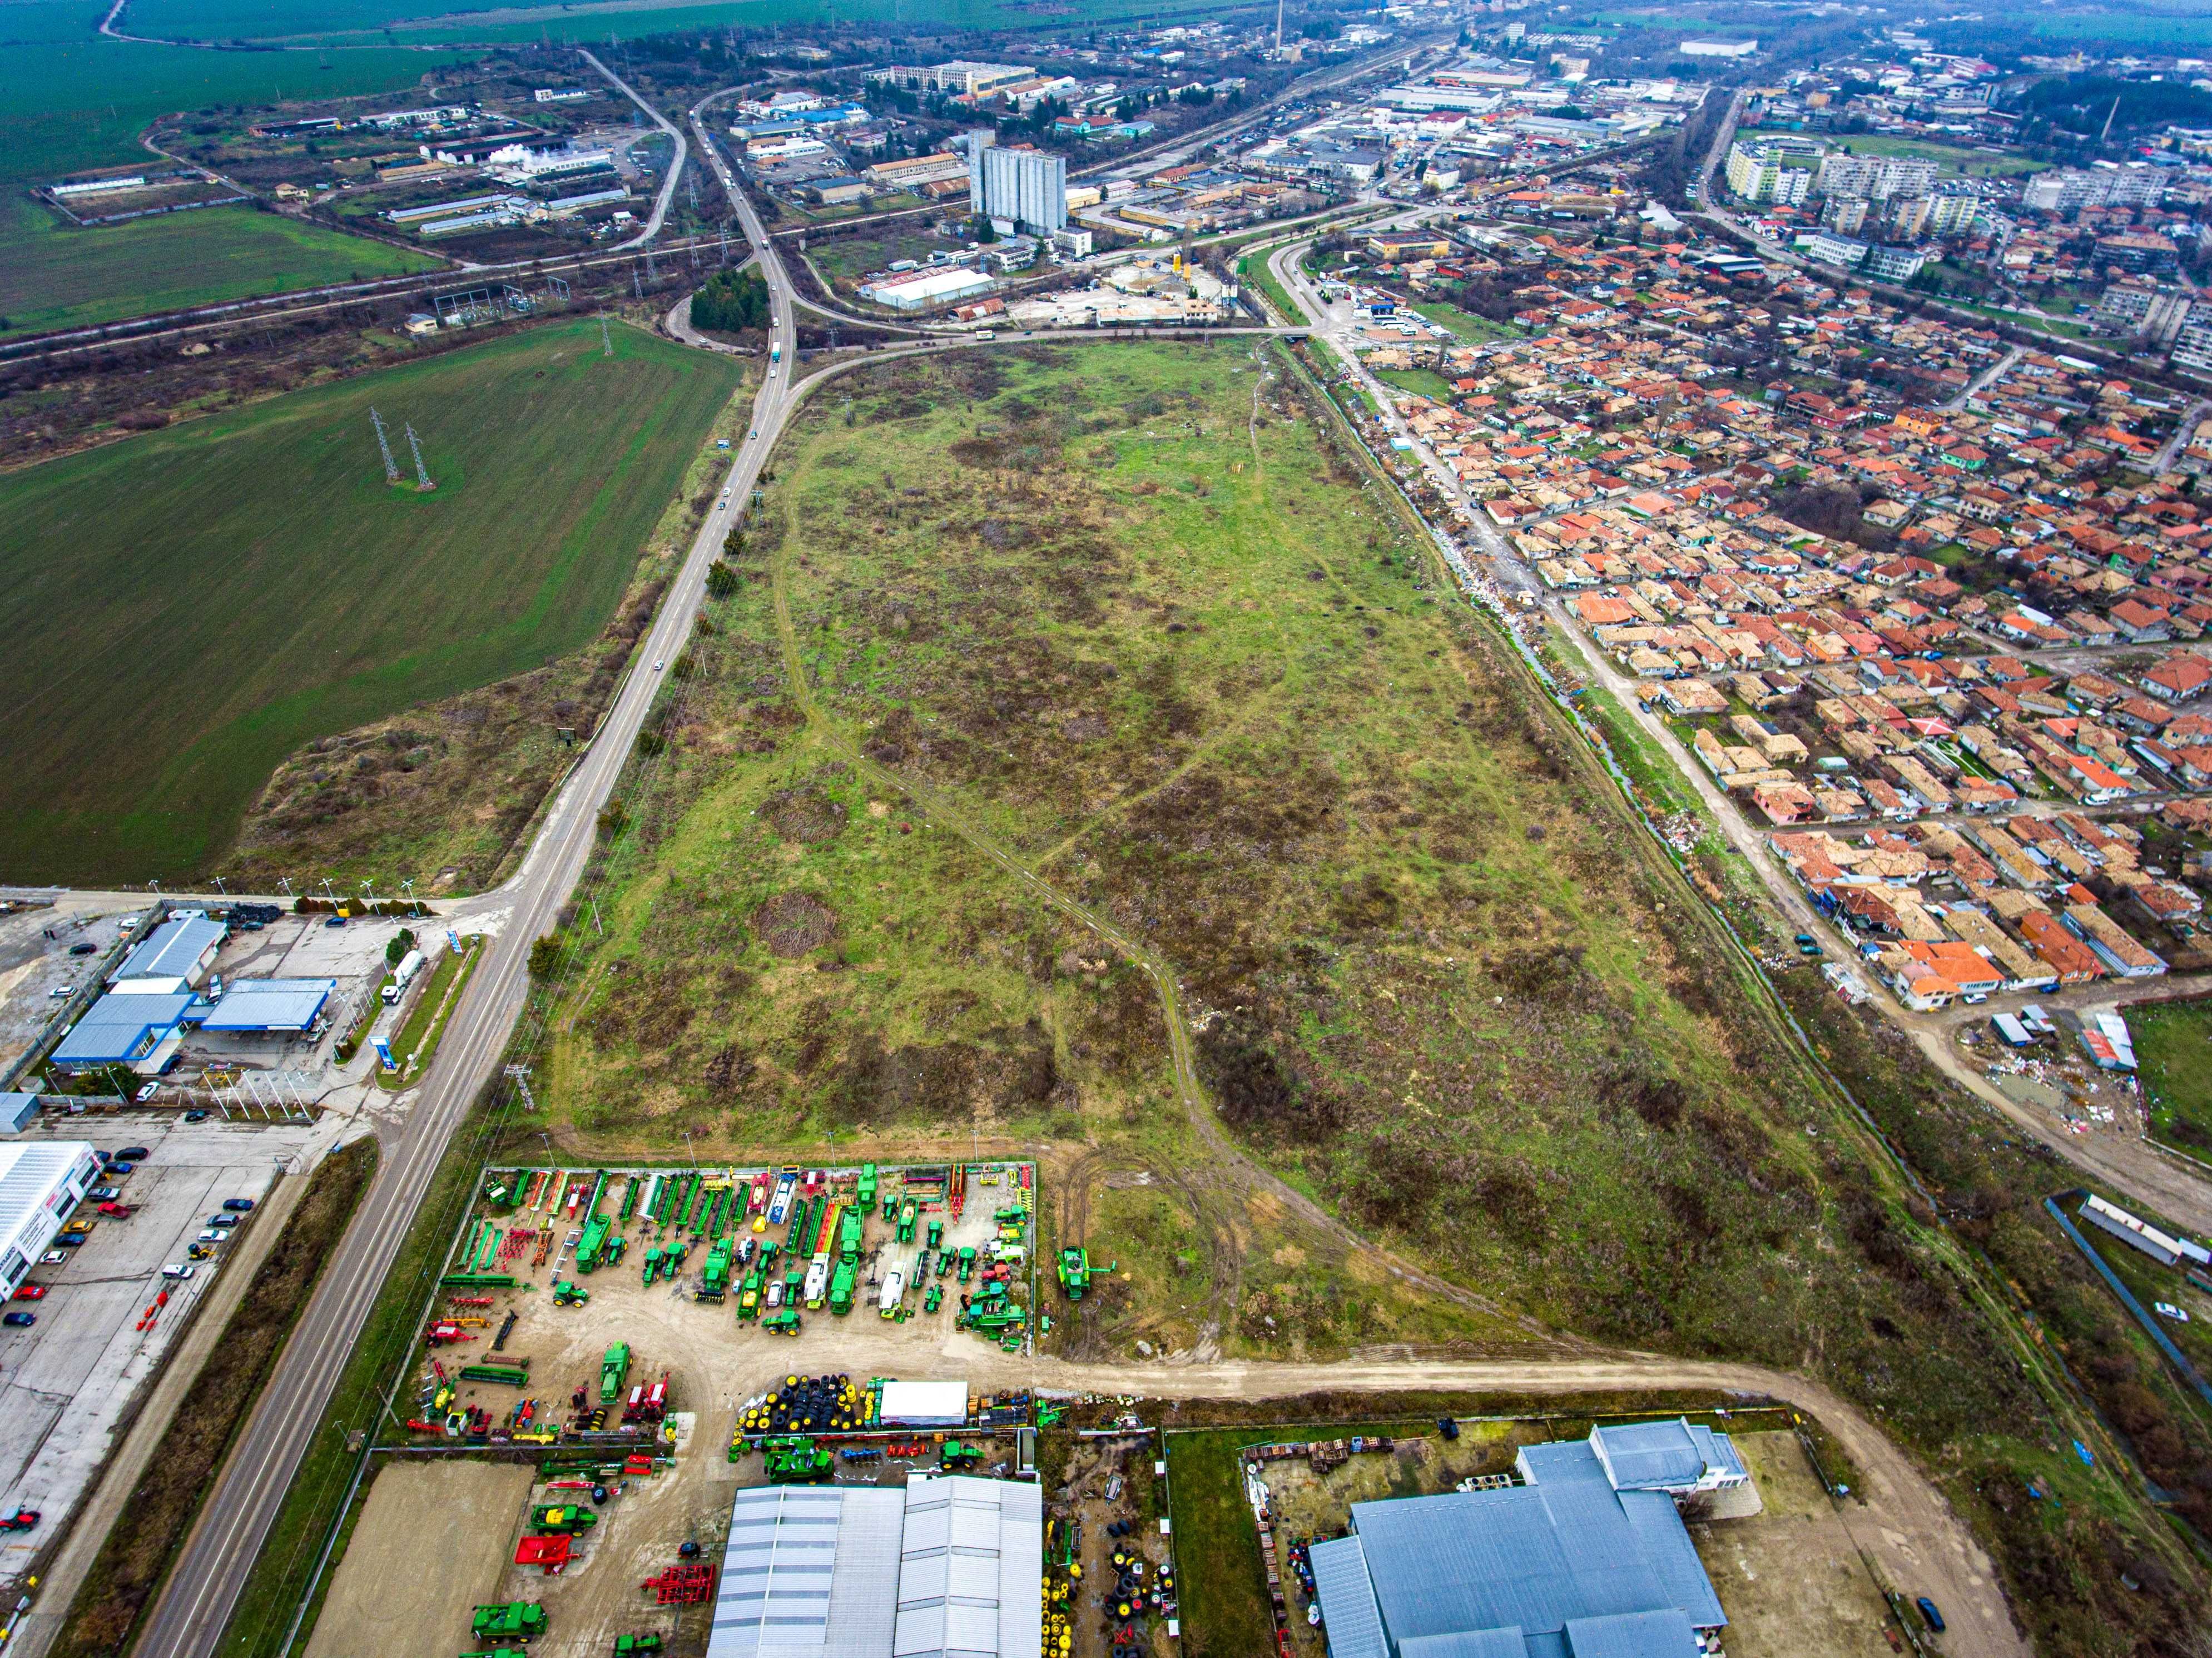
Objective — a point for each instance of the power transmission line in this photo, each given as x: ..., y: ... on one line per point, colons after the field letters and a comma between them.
x: 421, y: 472
x: 390, y: 466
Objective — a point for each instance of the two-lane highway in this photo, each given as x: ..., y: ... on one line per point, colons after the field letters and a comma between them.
x: 242, y: 1510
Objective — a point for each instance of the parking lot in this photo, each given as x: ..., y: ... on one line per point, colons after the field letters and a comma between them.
x: 68, y: 1380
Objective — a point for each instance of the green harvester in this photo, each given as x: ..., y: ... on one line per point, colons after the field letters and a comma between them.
x: 1074, y: 1273
x: 612, y: 1369
x: 566, y: 1519
x: 796, y: 1463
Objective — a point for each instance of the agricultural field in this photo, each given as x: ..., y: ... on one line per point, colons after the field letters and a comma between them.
x: 193, y: 605
x: 55, y: 276
x: 354, y: 21
x: 1123, y: 625
x: 70, y: 101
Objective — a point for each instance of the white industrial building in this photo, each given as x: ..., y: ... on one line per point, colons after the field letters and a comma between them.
x: 41, y: 1183
x: 804, y: 1571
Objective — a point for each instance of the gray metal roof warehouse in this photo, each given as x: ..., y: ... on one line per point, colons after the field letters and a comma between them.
x: 1588, y: 1559
x: 946, y: 1568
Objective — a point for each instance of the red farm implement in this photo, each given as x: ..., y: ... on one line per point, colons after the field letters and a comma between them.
x: 686, y: 1585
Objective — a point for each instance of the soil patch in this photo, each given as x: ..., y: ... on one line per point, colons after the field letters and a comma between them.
x: 792, y: 923
x: 442, y: 1528
x: 804, y: 815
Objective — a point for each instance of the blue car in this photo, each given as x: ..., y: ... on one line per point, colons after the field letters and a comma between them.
x: 19, y: 1321
x: 1928, y: 1611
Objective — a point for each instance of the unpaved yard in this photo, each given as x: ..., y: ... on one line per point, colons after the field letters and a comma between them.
x: 434, y: 1541
x: 1789, y: 1578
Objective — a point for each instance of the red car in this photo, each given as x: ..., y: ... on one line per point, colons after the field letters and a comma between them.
x: 117, y: 1211
x: 30, y: 1292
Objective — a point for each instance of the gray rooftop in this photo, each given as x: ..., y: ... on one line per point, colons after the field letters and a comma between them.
x: 1553, y: 1567
x: 114, y: 1028
x: 172, y: 950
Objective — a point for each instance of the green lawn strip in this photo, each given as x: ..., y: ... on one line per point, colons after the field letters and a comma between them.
x: 2174, y: 1052
x: 1254, y: 267
x: 1647, y: 764
x: 136, y: 1555
x: 281, y: 1574
x: 417, y: 1042
x: 261, y: 556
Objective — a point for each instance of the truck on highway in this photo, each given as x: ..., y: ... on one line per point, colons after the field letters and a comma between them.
x: 410, y: 965
x: 775, y: 352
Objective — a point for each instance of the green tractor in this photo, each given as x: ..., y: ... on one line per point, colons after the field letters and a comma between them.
x: 507, y: 1620
x: 567, y: 1293
x: 956, y: 1455
x: 1074, y: 1272
x: 564, y: 1518
x: 612, y: 1369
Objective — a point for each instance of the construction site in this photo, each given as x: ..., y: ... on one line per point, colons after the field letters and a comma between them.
x: 599, y: 1385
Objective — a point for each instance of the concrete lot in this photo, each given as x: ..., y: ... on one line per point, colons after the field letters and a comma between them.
x: 33, y: 965
x: 68, y: 1381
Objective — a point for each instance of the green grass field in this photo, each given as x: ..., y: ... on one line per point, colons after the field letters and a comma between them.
x: 187, y: 608
x: 1466, y: 323
x: 2173, y: 1050
x: 1953, y: 158
x: 55, y: 276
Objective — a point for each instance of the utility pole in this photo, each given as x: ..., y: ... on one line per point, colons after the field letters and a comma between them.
x: 520, y: 1076
x: 1278, y: 28
x: 606, y: 344
x: 384, y: 444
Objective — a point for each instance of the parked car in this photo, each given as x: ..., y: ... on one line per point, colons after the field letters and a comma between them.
x: 335, y: 920
x: 117, y: 1211
x: 61, y: 993
x: 133, y: 1154
x: 196, y: 1116
x: 29, y: 1292
x: 212, y: 1236
x: 222, y: 1220
x: 84, y: 949
x: 147, y: 1092
x: 76, y: 1229
x: 19, y: 1321
x: 120, y: 1170
x: 70, y: 1240
x: 52, y: 1257
x: 1928, y: 1611
x: 237, y: 1205
x: 177, y: 1269
x: 105, y: 1194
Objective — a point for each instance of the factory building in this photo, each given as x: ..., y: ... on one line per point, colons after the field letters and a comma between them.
x: 806, y: 1570
x: 1587, y: 1558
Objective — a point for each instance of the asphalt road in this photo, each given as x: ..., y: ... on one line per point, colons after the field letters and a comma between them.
x: 659, y: 213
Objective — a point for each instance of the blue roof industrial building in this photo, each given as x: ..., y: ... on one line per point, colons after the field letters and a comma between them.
x: 1587, y: 1558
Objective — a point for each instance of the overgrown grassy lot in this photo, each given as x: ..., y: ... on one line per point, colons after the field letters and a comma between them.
x: 1130, y: 608
x: 187, y: 608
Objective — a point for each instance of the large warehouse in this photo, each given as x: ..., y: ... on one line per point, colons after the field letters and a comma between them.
x: 805, y: 1569
x: 41, y: 1181
x: 1589, y: 1558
